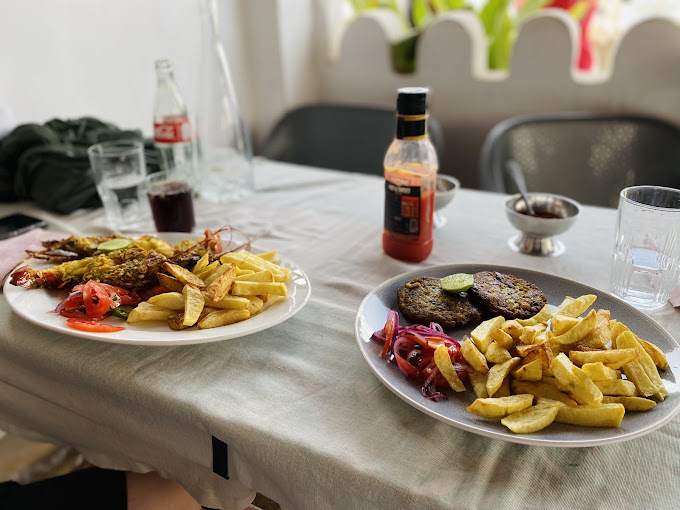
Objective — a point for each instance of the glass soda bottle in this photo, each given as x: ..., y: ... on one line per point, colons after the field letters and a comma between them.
x: 410, y: 175
x: 171, y: 126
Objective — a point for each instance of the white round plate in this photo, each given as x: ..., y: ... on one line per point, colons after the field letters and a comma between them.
x: 34, y: 305
x: 373, y: 313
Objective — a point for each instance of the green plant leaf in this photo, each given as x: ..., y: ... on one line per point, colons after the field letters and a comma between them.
x: 500, y: 49
x: 421, y: 14
x: 447, y: 5
x: 492, y: 16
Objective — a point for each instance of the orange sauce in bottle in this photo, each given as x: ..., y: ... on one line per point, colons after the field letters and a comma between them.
x: 410, y: 175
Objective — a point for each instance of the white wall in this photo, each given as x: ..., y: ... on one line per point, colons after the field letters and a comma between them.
x: 72, y: 58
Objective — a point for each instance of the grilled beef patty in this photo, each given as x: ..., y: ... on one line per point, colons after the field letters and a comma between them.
x: 422, y: 301
x: 507, y: 295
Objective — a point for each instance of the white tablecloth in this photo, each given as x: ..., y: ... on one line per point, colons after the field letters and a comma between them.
x: 305, y: 420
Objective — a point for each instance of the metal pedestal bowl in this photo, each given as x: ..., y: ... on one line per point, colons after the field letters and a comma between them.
x: 555, y: 214
x: 445, y: 189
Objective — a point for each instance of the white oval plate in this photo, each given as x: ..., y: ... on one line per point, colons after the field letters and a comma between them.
x: 34, y: 305
x: 373, y: 313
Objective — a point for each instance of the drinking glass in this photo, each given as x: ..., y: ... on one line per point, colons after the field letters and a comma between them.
x: 119, y: 171
x: 172, y: 205
x: 646, y: 255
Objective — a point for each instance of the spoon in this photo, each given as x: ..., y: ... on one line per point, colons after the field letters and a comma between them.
x: 517, y: 175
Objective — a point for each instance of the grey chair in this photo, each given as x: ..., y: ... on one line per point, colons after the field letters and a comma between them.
x: 585, y: 156
x: 341, y: 137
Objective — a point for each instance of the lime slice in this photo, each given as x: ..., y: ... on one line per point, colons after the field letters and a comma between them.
x: 114, y: 244
x: 459, y: 282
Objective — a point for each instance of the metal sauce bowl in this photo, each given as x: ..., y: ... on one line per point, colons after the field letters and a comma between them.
x: 555, y: 214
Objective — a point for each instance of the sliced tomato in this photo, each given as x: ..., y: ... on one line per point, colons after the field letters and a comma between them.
x: 97, y: 300
x: 92, y: 326
x: 125, y: 296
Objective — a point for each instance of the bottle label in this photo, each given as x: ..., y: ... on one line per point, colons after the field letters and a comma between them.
x: 402, y: 208
x: 172, y: 131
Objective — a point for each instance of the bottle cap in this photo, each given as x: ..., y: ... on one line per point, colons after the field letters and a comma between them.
x: 412, y: 100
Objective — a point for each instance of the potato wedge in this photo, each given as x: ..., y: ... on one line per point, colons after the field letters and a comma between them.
x: 218, y: 288
x: 562, y: 323
x: 612, y: 358
x: 443, y: 361
x: 543, y: 352
x: 241, y: 288
x: 599, y: 372
x: 512, y: 328
x: 229, y: 302
x: 170, y: 300
x: 170, y: 282
x: 635, y: 372
x: 605, y: 415
x: 630, y: 403
x: 617, y: 387
x: 145, y: 311
x: 268, y: 255
x: 221, y: 318
x: 655, y: 353
x: 531, y: 334
x: 502, y: 338
x: 503, y: 390
x: 193, y: 304
x: 474, y: 356
x: 478, y: 382
x: 221, y: 269
x: 184, y: 275
x: 533, y: 418
x: 531, y: 371
x: 500, y: 407
x: 579, y: 385
x: 628, y: 340
x: 601, y: 335
x: 176, y: 321
x: 201, y: 264
x: 497, y: 354
x: 540, y: 389
x: 499, y: 372
x: 481, y: 335
x: 255, y: 305
x: 574, y: 307
x: 260, y: 276
x: 584, y: 327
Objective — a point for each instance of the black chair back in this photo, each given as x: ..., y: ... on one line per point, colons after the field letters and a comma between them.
x: 585, y: 156
x: 341, y: 137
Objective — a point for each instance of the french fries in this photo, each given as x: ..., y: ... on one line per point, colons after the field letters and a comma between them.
x: 214, y: 294
x: 572, y: 366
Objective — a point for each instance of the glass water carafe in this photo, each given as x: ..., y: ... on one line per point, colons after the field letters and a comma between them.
x: 224, y: 157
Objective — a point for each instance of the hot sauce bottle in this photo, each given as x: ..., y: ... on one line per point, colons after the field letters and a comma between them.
x: 410, y: 174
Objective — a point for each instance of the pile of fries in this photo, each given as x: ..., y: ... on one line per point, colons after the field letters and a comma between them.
x: 560, y: 367
x: 232, y: 289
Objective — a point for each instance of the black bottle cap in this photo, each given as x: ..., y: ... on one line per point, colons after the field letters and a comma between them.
x: 412, y: 100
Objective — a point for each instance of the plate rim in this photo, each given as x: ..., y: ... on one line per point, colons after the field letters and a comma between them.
x: 122, y: 337
x: 526, y: 439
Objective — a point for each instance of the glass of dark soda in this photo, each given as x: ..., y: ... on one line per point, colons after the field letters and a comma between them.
x: 171, y: 202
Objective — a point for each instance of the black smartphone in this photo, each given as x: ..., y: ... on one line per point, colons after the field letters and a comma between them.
x: 18, y: 223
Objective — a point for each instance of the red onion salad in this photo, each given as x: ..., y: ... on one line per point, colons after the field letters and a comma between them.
x: 412, y: 348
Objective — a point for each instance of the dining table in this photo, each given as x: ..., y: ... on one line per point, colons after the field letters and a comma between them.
x: 295, y: 411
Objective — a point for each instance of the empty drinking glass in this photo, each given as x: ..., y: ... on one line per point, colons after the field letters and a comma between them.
x: 646, y: 256
x: 119, y: 172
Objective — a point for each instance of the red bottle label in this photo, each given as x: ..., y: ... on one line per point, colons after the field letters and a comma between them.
x: 172, y: 131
